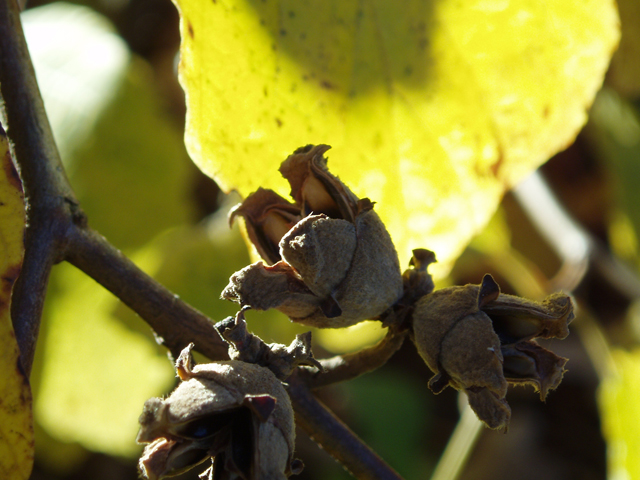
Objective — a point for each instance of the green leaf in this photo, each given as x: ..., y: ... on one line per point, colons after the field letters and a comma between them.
x: 433, y: 109
x: 123, y: 154
x: 96, y: 371
x: 132, y: 175
x: 77, y: 78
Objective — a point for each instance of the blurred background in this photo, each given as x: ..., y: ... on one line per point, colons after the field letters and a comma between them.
x: 107, y: 71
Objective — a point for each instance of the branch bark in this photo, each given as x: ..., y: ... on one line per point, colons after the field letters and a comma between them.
x: 347, y: 367
x: 335, y: 437
x: 49, y: 197
x: 175, y: 323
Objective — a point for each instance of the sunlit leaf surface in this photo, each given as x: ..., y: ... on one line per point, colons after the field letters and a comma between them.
x: 620, y: 415
x: 16, y: 422
x: 97, y: 371
x: 433, y: 108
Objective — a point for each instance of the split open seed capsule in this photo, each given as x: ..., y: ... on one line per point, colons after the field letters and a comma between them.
x: 236, y: 413
x: 330, y: 261
x: 476, y: 339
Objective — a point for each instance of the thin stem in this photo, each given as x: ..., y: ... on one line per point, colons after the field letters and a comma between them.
x: 347, y: 367
x: 577, y: 248
x: 460, y: 445
x: 50, y: 200
x: 335, y: 437
x: 27, y: 300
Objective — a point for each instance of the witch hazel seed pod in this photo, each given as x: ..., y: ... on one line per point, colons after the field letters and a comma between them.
x: 335, y: 264
x: 478, y: 340
x: 238, y: 414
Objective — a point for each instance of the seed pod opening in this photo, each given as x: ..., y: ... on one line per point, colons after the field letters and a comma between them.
x: 335, y: 264
x: 236, y: 413
x: 476, y: 339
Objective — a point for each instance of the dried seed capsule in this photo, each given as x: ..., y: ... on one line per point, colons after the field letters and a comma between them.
x: 234, y: 412
x: 476, y: 339
x: 336, y: 264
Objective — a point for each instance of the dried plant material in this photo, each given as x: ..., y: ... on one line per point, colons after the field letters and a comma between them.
x: 280, y: 359
x: 236, y: 413
x: 416, y: 283
x: 416, y: 280
x: 478, y: 340
x: 336, y: 265
x: 268, y: 217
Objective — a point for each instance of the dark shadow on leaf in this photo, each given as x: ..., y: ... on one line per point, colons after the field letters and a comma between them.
x: 352, y: 46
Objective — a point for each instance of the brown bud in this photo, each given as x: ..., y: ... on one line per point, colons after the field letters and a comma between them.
x: 476, y: 339
x: 236, y: 413
x: 336, y: 264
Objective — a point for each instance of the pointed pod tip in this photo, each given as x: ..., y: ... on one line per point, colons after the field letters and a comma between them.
x: 422, y: 258
x: 489, y: 291
x: 184, y: 364
x: 233, y: 213
x: 261, y: 405
x: 305, y: 149
x: 364, y: 205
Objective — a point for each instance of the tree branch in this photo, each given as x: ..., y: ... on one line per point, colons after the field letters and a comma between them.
x: 335, y: 437
x: 576, y: 247
x: 179, y: 324
x: 48, y: 196
x: 175, y: 322
x: 347, y: 367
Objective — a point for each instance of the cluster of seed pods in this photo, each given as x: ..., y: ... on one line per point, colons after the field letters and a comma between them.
x: 329, y: 262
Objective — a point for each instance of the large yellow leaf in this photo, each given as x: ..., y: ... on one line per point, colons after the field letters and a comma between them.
x: 16, y: 421
x: 433, y: 108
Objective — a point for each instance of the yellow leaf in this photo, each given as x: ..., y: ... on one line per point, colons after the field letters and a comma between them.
x: 620, y: 412
x: 433, y: 108
x: 16, y: 421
